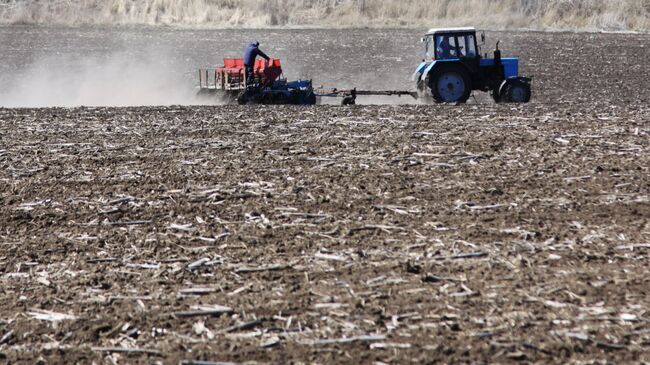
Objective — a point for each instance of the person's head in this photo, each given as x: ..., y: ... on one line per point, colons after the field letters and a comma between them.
x: 255, y: 43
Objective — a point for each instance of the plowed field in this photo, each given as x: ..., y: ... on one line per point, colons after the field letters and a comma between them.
x: 479, y: 233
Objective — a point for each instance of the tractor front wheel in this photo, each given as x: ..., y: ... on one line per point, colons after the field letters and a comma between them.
x: 517, y: 92
x: 450, y: 84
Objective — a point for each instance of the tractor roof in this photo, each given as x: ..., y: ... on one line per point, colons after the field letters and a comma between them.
x: 450, y: 30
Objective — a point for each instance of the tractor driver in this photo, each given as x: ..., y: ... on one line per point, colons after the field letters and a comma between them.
x: 252, y: 51
x: 444, y: 48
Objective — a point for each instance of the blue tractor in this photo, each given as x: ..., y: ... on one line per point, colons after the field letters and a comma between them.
x: 453, y: 67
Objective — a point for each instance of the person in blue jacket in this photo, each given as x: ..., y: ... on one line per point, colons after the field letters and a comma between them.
x: 444, y: 48
x: 252, y: 51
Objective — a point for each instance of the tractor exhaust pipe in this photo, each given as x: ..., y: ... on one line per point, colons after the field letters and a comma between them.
x: 497, y: 54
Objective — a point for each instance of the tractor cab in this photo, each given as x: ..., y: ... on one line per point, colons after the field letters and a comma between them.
x: 452, y: 43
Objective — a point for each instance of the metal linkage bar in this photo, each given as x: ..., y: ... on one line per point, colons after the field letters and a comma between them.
x: 349, y: 92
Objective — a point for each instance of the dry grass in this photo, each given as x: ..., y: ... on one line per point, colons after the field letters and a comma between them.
x: 555, y: 14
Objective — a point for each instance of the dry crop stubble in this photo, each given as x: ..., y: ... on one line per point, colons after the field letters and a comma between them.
x: 496, y: 233
x: 383, y: 233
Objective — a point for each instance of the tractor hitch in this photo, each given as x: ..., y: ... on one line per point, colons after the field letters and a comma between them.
x: 350, y: 95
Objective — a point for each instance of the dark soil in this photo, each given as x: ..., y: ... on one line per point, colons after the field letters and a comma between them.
x: 448, y: 234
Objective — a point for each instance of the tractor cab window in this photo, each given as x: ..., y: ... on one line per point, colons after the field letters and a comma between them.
x: 470, y: 46
x: 429, y: 47
x: 455, y: 46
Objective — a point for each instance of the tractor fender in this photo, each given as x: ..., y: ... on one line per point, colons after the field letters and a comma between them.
x: 435, y: 64
x: 419, y: 71
x: 510, y: 80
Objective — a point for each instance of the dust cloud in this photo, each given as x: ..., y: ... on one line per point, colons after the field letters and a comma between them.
x: 117, y: 79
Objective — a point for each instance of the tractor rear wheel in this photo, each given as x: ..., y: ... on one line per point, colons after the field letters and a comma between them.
x: 450, y: 84
x: 517, y: 92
